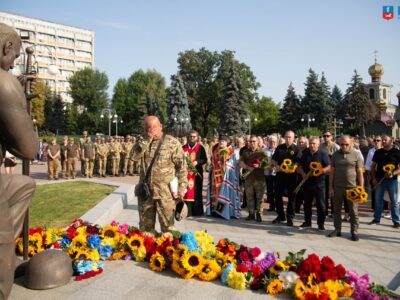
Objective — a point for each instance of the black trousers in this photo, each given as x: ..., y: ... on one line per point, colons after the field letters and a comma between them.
x: 270, y: 181
x: 285, y: 185
x: 313, y: 191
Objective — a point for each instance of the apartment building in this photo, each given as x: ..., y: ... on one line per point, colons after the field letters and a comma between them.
x: 69, y: 48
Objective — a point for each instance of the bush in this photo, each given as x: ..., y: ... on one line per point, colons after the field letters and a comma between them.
x: 311, y: 131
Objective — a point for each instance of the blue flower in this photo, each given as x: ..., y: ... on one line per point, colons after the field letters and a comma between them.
x: 225, y: 273
x: 80, y: 267
x: 94, y: 241
x: 65, y: 242
x: 189, y: 240
x: 106, y: 251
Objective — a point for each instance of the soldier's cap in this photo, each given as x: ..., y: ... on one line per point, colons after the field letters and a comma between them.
x: 85, y: 132
x: 181, y: 210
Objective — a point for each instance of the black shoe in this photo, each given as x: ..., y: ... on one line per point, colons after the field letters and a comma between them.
x: 321, y: 227
x: 354, y: 237
x: 277, y: 220
x: 289, y: 223
x: 258, y: 217
x: 250, y: 217
x: 271, y: 209
x: 396, y: 225
x: 305, y: 225
x: 334, y: 233
x: 244, y: 205
x: 373, y: 222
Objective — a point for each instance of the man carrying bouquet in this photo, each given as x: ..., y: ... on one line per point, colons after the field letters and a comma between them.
x: 384, y: 171
x: 285, y: 160
x: 314, y: 164
x: 252, y: 160
x: 346, y: 173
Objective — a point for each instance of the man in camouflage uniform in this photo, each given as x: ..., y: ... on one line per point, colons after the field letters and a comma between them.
x: 127, y: 147
x: 72, y: 154
x: 169, y: 164
x: 82, y: 141
x: 63, y: 157
x: 88, y: 152
x: 115, y: 156
x: 254, y: 184
x: 96, y: 165
x: 101, y: 157
x: 133, y: 165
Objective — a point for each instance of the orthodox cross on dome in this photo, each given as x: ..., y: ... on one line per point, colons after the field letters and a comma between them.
x: 376, y: 56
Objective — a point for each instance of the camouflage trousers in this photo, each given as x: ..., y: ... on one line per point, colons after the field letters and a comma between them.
x: 255, y: 191
x: 52, y: 168
x: 164, y: 208
x: 89, y: 165
x: 71, y: 168
x: 115, y: 165
x: 102, y: 163
x: 64, y: 167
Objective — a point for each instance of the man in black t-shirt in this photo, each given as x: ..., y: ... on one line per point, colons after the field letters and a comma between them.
x: 388, y: 155
x: 285, y: 182
x: 314, y: 187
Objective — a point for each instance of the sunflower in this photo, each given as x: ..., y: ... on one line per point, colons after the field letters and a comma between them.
x: 388, y: 167
x: 287, y: 162
x: 109, y: 231
x: 284, y: 168
x: 236, y: 280
x: 169, y: 251
x: 93, y: 254
x: 135, y: 242
x: 51, y: 236
x: 177, y: 268
x: 274, y: 287
x: 81, y: 254
x: 157, y: 262
x: 139, y: 253
x: 210, y: 270
x: 192, y: 262
x: 278, y: 267
x: 82, y: 230
x: 118, y: 255
x: 299, y: 290
x: 345, y: 290
x: 364, y: 196
x: 179, y: 252
x: 318, y: 172
x: 359, y: 189
x: 314, y: 165
x: 79, y: 241
x: 333, y: 287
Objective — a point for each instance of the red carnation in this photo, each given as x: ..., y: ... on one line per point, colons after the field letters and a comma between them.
x: 314, y: 259
x: 244, y: 256
x: 71, y: 233
x: 340, y: 271
x: 242, y: 268
x: 327, y: 263
x: 256, y: 285
x: 175, y: 242
x: 326, y: 275
x: 256, y: 270
x: 255, y: 252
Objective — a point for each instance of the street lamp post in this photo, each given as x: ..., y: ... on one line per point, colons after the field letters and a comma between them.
x: 309, y: 117
x: 109, y: 113
x: 248, y: 119
x: 117, y: 119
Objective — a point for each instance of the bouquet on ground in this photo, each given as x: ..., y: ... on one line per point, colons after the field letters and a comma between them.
x: 357, y: 194
x: 258, y: 164
x: 288, y: 166
x: 316, y: 170
x: 191, y: 168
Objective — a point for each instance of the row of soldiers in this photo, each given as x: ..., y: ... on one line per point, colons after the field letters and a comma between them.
x: 100, y: 157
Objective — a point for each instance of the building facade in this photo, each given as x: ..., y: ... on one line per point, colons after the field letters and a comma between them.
x: 67, y: 47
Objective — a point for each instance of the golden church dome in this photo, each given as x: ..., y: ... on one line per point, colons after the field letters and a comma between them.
x: 376, y: 72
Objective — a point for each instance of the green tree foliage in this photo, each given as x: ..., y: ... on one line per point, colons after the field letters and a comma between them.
x: 178, y: 107
x: 290, y: 113
x: 88, y: 88
x: 357, y: 103
x: 142, y: 94
x: 231, y: 111
x: 265, y: 113
x: 56, y: 115
x: 327, y: 109
x: 337, y: 101
x: 42, y: 92
x: 314, y: 102
x: 204, y: 74
x: 308, y: 132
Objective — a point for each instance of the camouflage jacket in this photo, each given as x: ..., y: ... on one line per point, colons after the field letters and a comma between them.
x: 170, y: 163
x: 127, y: 149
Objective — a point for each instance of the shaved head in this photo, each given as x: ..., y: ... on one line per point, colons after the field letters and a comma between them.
x: 153, y: 127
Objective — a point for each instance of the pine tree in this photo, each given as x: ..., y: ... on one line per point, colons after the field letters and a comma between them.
x: 178, y: 107
x: 290, y: 113
x: 336, y: 100
x: 358, y: 104
x: 327, y: 110
x: 234, y: 104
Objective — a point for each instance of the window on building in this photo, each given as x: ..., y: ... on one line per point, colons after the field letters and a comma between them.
x: 371, y: 94
x: 384, y: 93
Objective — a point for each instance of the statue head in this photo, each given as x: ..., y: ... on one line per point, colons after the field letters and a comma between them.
x: 10, y: 44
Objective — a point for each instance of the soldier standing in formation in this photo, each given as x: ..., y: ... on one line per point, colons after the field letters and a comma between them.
x: 82, y: 141
x: 115, y: 157
x: 169, y: 164
x: 72, y: 154
x: 88, y: 153
x: 102, y: 153
x: 125, y: 155
x: 63, y: 157
x: 53, y: 159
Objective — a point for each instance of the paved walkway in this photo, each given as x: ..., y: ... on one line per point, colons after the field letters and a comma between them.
x: 377, y: 253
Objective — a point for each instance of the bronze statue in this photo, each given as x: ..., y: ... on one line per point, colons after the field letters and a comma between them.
x: 17, y: 136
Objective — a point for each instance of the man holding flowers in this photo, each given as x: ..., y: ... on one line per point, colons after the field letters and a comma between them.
x: 285, y: 160
x: 346, y: 173
x: 384, y: 171
x: 314, y: 164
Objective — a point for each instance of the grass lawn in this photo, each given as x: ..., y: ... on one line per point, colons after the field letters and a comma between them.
x: 57, y: 205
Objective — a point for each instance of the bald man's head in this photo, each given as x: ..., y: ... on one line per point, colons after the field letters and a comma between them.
x: 153, y: 127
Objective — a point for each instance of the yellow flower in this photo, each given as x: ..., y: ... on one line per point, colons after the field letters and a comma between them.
x: 177, y: 268
x: 278, y: 267
x: 179, y: 252
x: 51, y: 236
x: 169, y: 251
x: 118, y: 255
x: 236, y: 280
x: 140, y: 253
x: 274, y: 287
x: 351, y: 194
x: 157, y: 262
x: 345, y: 290
x: 210, y: 270
x: 364, y: 197
x: 287, y: 162
x: 79, y: 241
x: 81, y: 254
x: 314, y: 165
x: 299, y: 290
x: 359, y: 189
x: 192, y: 262
x: 333, y: 287
x: 389, y: 168
x: 318, y: 172
x: 135, y: 242
x: 109, y: 241
x: 311, y: 279
x: 109, y: 231
x: 82, y: 230
x: 188, y: 274
x: 93, y: 254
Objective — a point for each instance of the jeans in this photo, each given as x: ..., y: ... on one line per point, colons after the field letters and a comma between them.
x: 391, y: 186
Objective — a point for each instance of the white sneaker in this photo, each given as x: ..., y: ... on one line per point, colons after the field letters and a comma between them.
x: 389, y: 216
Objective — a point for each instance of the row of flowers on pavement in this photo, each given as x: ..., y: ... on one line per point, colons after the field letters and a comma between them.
x: 194, y: 255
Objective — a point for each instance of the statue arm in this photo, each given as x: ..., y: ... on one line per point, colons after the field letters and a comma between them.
x: 16, y: 127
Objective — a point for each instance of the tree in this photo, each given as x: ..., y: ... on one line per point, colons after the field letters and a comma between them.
x: 358, y: 104
x: 88, y: 88
x: 315, y: 100
x: 337, y: 101
x: 326, y: 108
x: 120, y: 102
x: 42, y: 92
x: 290, y: 113
x: 178, y: 107
x: 265, y: 113
x: 232, y: 113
